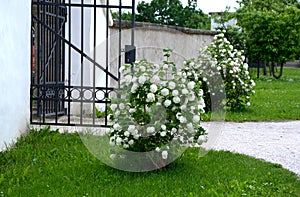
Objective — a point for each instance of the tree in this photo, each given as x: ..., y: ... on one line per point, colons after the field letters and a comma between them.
x: 272, y: 29
x: 172, y: 12
x: 169, y: 12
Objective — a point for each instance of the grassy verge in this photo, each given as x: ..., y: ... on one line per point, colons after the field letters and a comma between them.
x: 274, y: 99
x: 47, y: 163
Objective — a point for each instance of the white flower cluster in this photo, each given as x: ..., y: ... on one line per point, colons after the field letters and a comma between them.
x: 158, y: 107
x: 233, y: 68
x: 221, y: 59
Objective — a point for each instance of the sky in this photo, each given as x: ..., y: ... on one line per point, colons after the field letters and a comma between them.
x: 205, y: 5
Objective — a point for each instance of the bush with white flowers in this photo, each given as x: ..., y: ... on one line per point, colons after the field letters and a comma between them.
x: 220, y: 58
x: 155, y: 105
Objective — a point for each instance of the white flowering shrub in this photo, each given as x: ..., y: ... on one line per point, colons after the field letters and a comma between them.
x: 203, y: 70
x: 220, y: 58
x: 157, y: 104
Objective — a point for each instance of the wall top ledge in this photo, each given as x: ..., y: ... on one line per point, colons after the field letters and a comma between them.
x: 157, y: 27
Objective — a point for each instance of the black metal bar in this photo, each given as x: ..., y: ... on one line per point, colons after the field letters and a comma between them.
x: 94, y: 66
x: 43, y: 69
x: 82, y: 49
x: 50, y: 91
x: 132, y: 22
x: 72, y: 124
x: 38, y: 60
x: 81, y: 52
x: 69, y: 65
x: 85, y: 5
x: 64, y: 12
x: 57, y: 65
x: 120, y: 43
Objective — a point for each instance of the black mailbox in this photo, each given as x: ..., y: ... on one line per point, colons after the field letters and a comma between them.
x: 129, y: 54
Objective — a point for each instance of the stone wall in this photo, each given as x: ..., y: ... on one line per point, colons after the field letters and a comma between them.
x: 151, y: 39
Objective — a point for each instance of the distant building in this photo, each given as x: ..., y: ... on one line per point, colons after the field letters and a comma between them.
x: 215, y: 25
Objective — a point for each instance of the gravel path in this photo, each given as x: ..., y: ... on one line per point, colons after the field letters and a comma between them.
x: 276, y: 142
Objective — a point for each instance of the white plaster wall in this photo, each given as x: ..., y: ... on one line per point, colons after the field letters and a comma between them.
x: 151, y: 39
x: 15, y: 21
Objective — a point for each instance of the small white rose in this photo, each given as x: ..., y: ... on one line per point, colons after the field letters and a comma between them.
x: 130, y: 142
x: 173, y: 130
x: 167, y: 103
x: 113, y: 107
x: 131, y: 128
x: 164, y: 154
x: 126, y: 133
x: 183, y: 107
x: 163, y: 134
x: 119, y: 141
x: 126, y: 146
x: 134, y: 88
x: 182, y: 119
x: 150, y: 130
x: 128, y: 79
x: 176, y: 99
x: 184, y: 91
x: 142, y: 79
x: 202, y: 139
x: 117, y: 113
x: 191, y: 97
x: 191, y: 85
x: 155, y: 79
x: 153, y: 88
x: 200, y: 92
x: 190, y: 126
x: 142, y: 68
x: 165, y: 92
x: 122, y: 106
x: 171, y: 85
x: 196, y: 118
x: 132, y: 110
x: 150, y: 97
x: 175, y: 93
x: 116, y: 127
x: 157, y: 149
x: 163, y: 127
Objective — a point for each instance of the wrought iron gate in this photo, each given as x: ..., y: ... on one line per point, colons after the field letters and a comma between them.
x: 65, y: 44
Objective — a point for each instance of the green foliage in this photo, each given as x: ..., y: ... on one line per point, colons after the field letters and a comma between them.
x: 172, y: 12
x: 103, y: 114
x: 127, y: 16
x: 33, y: 168
x: 272, y: 29
x: 273, y: 99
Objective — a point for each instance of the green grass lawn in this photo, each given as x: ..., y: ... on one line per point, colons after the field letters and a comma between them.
x: 47, y: 163
x: 274, y: 99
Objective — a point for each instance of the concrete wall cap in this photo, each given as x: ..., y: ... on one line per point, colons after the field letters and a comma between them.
x: 152, y: 26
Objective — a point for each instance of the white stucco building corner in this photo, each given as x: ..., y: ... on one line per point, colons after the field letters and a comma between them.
x: 15, y: 27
